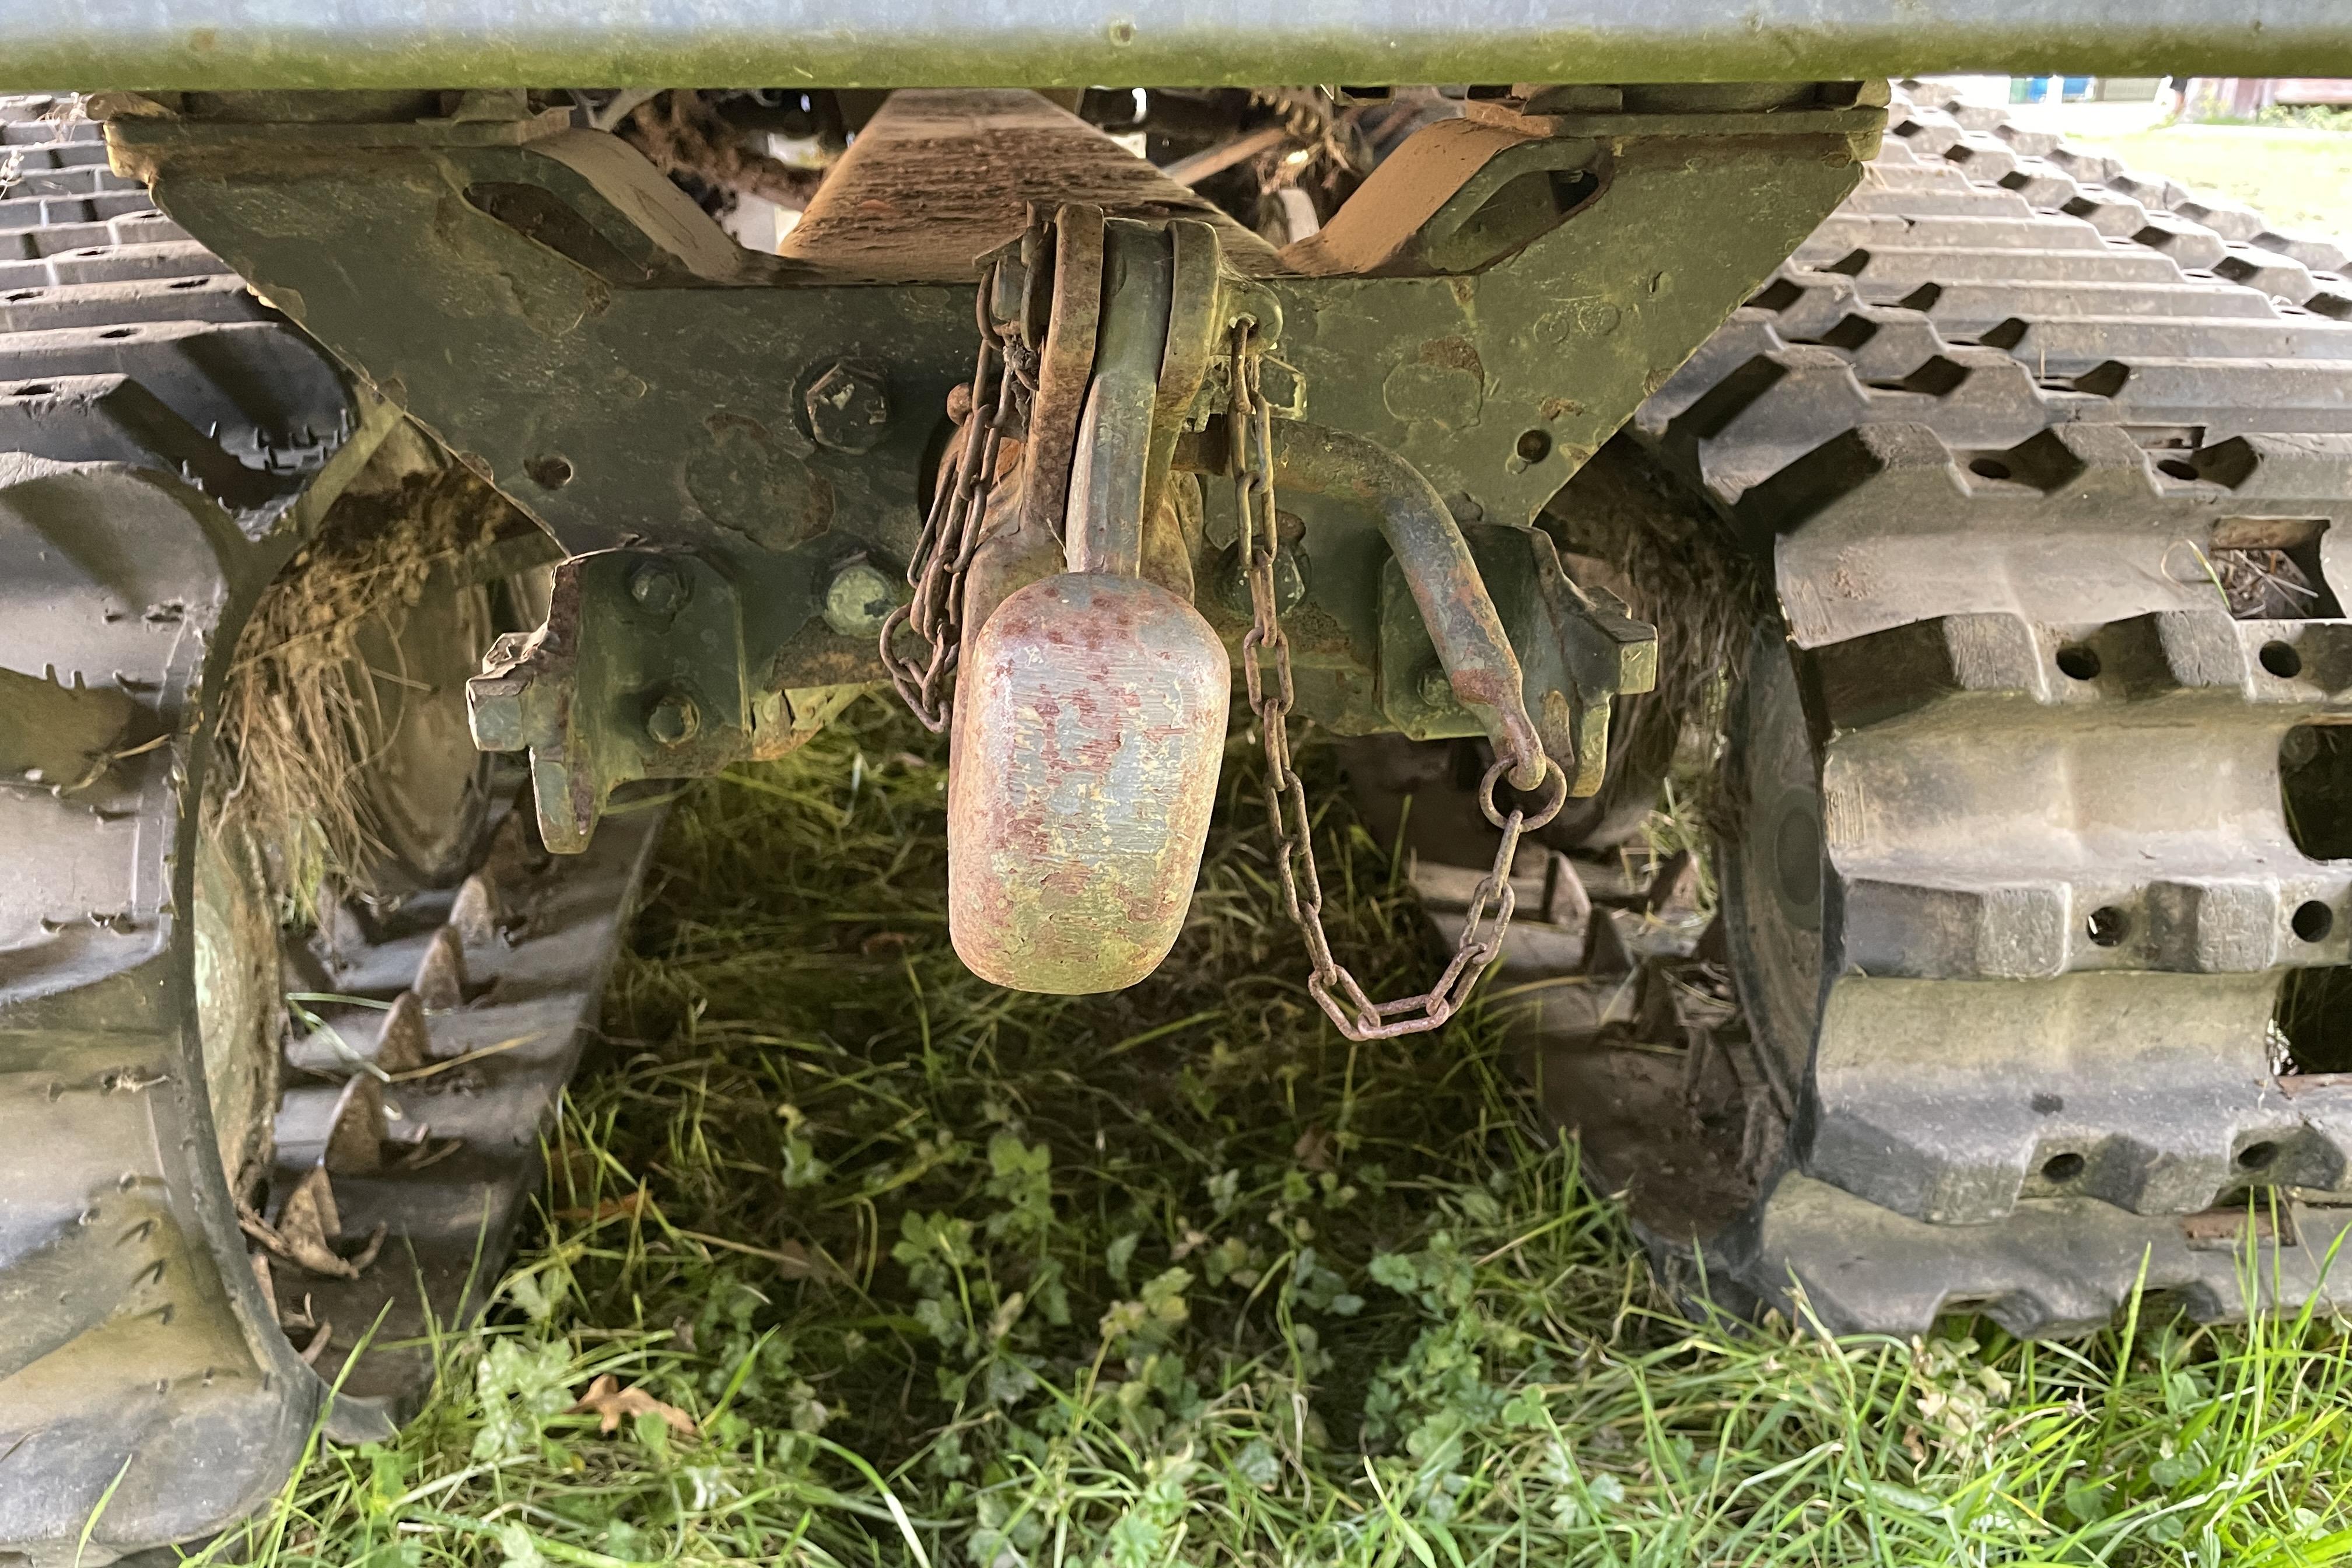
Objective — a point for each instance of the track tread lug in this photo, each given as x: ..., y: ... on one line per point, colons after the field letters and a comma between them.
x: 1854, y: 422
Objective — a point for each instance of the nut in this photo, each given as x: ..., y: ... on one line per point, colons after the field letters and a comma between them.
x: 1437, y: 687
x: 495, y: 698
x: 494, y: 712
x: 657, y: 587
x: 859, y: 598
x: 674, y: 720
x: 848, y: 408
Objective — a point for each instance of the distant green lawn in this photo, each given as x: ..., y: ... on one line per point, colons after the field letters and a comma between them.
x: 2300, y: 180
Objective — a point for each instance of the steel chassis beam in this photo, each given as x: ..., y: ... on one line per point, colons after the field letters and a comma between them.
x: 1490, y: 308
x: 230, y: 44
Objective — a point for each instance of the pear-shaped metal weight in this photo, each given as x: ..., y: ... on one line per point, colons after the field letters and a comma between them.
x: 1089, y: 726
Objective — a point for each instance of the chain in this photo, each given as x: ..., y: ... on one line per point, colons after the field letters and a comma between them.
x: 1491, y: 905
x: 953, y: 528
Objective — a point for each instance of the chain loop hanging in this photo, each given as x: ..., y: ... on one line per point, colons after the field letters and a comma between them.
x: 953, y: 528
x: 1488, y: 916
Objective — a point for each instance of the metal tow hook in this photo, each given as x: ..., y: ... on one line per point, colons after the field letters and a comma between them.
x: 1089, y: 718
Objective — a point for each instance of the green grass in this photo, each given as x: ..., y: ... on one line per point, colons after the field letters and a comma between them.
x: 948, y: 1275
x: 2301, y: 180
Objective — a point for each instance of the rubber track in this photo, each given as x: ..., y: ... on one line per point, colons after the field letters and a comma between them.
x: 165, y: 443
x: 2004, y: 404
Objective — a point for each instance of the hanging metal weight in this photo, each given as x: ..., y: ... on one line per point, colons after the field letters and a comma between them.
x: 1089, y: 718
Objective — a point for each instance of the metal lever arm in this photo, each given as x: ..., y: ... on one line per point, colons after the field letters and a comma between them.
x: 1452, y: 596
x: 1108, y: 472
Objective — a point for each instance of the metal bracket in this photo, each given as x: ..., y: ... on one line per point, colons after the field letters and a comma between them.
x: 1486, y: 310
x: 637, y: 674
x: 1578, y: 650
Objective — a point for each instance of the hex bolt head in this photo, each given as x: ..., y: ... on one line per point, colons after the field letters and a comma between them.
x: 674, y: 720
x: 1290, y: 567
x: 659, y: 587
x: 495, y: 698
x: 494, y: 713
x: 1437, y: 687
x: 848, y: 408
x: 859, y: 599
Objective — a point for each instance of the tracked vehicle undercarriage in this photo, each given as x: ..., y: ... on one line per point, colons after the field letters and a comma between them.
x: 2030, y: 809
x: 1981, y: 490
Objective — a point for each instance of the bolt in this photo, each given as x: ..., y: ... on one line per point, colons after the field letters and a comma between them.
x: 674, y: 720
x: 848, y: 408
x: 657, y: 587
x: 1290, y: 567
x: 495, y: 698
x: 1436, y: 687
x: 858, y: 600
x: 494, y: 713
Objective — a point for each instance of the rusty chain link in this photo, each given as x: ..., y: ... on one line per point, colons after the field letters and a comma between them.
x: 1334, y: 989
x: 953, y: 528
x: 952, y: 531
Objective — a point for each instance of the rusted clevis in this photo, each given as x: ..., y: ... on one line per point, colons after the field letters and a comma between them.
x: 1090, y: 715
x: 1088, y: 724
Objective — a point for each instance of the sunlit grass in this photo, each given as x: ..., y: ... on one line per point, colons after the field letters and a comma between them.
x: 2300, y: 180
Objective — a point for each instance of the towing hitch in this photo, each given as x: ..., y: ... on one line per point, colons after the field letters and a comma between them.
x: 1179, y: 448
x: 1089, y: 727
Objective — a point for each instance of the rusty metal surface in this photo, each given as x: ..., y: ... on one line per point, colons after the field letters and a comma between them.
x: 936, y: 179
x: 919, y: 641
x: 1265, y: 653
x: 1065, y: 361
x: 1110, y: 471
x: 1089, y: 718
x: 1578, y: 650
x: 635, y: 380
x: 1454, y: 604
x: 1195, y: 324
x: 1088, y: 734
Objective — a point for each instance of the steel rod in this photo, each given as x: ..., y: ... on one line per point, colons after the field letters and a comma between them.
x: 222, y: 44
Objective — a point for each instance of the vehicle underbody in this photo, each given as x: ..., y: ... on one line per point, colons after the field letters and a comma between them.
x: 451, y: 471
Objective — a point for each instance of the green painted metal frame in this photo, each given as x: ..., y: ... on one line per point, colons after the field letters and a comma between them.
x: 235, y: 44
x: 1489, y: 307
